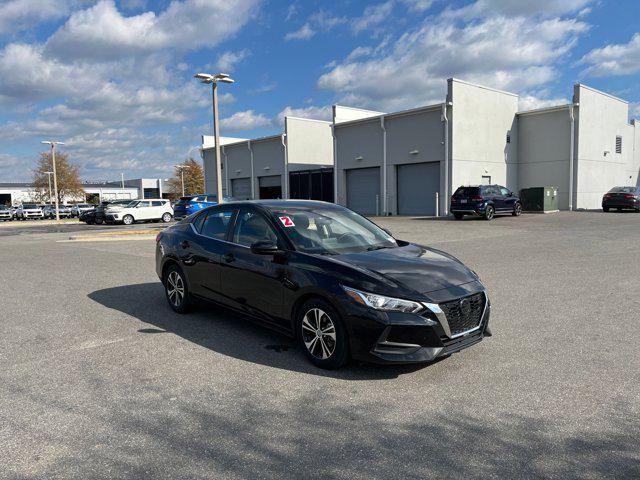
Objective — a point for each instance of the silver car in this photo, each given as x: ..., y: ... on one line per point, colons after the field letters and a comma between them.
x: 79, y: 208
x: 5, y: 213
x: 29, y: 210
x: 64, y: 211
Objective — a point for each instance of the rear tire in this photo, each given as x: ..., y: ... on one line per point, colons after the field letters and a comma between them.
x: 322, y: 334
x: 605, y: 209
x: 458, y: 216
x: 517, y: 210
x: 127, y: 220
x: 176, y: 290
x: 489, y: 213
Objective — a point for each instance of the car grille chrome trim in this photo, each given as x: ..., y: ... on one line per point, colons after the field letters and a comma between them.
x: 447, y: 321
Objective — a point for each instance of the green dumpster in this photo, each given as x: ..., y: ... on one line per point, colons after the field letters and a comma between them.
x: 539, y: 199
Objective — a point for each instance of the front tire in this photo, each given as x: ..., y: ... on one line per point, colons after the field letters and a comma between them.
x: 127, y: 220
x: 176, y: 290
x: 166, y: 218
x: 322, y: 335
x: 517, y: 210
x: 489, y: 212
x: 605, y: 209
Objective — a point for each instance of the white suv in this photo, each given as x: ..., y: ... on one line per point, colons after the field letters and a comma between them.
x: 140, y: 210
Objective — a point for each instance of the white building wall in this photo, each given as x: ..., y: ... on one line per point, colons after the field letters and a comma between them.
x: 347, y: 114
x: 309, y: 143
x: 208, y: 153
x: 268, y: 160
x: 602, y: 117
x: 543, y: 150
x: 480, y: 120
x: 358, y: 145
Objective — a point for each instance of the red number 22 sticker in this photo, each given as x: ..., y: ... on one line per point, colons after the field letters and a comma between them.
x: 286, y: 221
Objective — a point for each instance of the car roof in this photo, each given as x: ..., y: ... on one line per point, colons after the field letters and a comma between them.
x: 275, y: 204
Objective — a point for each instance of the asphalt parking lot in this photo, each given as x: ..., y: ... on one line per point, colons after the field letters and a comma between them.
x: 100, y: 379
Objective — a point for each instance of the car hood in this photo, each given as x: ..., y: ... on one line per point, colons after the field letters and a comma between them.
x: 419, y: 268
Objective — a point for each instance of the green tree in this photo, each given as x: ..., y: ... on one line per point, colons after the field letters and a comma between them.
x: 193, y: 179
x: 68, y: 175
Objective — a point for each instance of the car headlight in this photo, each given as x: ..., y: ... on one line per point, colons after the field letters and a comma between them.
x: 380, y: 302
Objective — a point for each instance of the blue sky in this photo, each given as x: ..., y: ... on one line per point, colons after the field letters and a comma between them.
x: 113, y: 78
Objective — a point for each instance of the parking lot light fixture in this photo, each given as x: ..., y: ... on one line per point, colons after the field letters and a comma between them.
x: 53, y: 144
x: 182, y: 167
x: 209, y: 79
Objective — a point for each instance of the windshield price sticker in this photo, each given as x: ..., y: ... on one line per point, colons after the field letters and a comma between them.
x: 286, y: 221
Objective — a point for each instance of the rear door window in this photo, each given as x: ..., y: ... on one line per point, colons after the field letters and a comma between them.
x: 215, y: 223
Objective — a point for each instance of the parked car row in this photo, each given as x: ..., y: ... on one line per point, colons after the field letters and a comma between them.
x: 128, y: 212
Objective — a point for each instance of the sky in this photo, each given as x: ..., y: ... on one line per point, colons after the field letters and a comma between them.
x: 113, y: 79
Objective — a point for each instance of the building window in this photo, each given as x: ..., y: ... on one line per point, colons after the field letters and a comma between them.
x: 618, y: 144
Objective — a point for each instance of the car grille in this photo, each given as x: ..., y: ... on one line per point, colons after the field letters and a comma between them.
x: 465, y: 313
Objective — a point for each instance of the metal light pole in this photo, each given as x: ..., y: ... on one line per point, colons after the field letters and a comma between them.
x: 49, y: 178
x: 207, y: 78
x: 181, y: 168
x: 55, y: 177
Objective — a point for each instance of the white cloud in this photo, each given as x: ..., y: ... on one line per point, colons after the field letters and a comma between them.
x: 245, y: 120
x: 419, y: 5
x: 316, y: 113
x: 305, y: 32
x: 104, y: 32
x: 402, y: 74
x: 513, y: 8
x: 325, y: 20
x: 372, y: 16
x: 16, y: 15
x: 618, y: 59
x: 531, y: 102
x: 228, y: 60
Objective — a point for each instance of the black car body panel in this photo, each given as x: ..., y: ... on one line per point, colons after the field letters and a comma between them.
x: 270, y: 288
x: 623, y: 198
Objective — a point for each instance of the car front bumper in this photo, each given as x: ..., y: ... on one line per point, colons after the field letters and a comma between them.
x: 396, y: 337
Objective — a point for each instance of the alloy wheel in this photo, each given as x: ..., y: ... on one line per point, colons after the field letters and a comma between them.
x: 518, y: 210
x: 175, y: 288
x: 319, y: 333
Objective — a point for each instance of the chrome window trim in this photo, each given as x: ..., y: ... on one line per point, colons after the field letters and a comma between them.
x: 442, y: 318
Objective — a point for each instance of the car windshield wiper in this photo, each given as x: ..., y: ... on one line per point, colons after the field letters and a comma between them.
x: 378, y: 247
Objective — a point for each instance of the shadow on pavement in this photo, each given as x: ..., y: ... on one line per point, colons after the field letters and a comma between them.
x: 229, y: 333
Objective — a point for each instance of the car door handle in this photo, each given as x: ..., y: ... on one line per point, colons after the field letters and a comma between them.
x: 185, y: 244
x: 228, y: 257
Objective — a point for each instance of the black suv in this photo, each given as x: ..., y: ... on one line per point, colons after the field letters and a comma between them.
x: 485, y: 201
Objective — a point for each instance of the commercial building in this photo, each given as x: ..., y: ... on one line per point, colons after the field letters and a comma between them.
x: 295, y: 164
x: 17, y: 193
x: 410, y: 162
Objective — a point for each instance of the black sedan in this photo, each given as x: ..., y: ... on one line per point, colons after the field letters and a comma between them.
x: 344, y: 287
x: 622, y: 198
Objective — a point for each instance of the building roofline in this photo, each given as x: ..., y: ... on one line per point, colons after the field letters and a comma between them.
x: 411, y: 111
x: 356, y: 108
x: 582, y: 85
x: 308, y: 119
x: 537, y: 111
x: 453, y: 79
x: 252, y: 140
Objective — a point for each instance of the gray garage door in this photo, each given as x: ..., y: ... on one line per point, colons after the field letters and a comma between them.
x: 417, y: 187
x: 363, y: 190
x: 241, y: 188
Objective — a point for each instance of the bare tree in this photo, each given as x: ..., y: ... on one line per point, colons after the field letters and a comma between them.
x: 69, y: 184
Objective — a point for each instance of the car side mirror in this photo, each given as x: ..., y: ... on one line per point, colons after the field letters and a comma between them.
x: 264, y: 247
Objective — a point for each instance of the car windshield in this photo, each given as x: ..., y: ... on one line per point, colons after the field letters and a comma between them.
x: 29, y: 206
x: 4, y: 207
x: 331, y: 230
x: 623, y: 190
